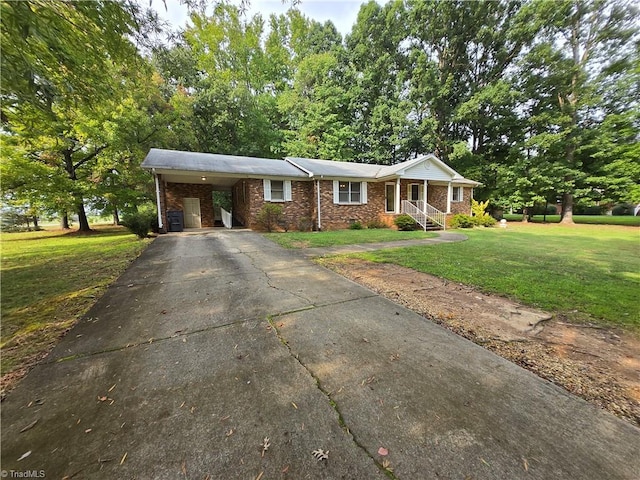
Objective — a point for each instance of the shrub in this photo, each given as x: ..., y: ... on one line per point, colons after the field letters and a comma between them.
x: 485, y: 221
x: 269, y: 216
x: 622, y: 209
x: 480, y: 217
x: 405, y: 222
x: 377, y: 223
x: 588, y: 210
x: 462, y: 221
x: 140, y: 223
x: 355, y: 226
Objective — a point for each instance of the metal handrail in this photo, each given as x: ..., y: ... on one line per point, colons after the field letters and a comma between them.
x: 422, y: 212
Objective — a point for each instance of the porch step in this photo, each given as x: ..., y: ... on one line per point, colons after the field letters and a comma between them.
x: 432, y: 226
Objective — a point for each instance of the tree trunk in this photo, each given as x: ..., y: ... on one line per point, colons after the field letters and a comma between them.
x: 83, y: 222
x: 116, y: 217
x: 64, y: 221
x: 525, y: 214
x: 35, y: 223
x: 567, y: 209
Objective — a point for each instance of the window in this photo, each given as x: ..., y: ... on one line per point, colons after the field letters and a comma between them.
x: 415, y: 192
x: 349, y: 192
x: 456, y: 195
x: 277, y: 190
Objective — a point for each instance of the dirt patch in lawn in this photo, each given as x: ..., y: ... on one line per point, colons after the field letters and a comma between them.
x: 599, y: 364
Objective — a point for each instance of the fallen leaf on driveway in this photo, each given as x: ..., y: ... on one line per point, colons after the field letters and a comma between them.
x: 123, y: 458
x: 31, y: 425
x: 383, y: 451
x: 25, y: 455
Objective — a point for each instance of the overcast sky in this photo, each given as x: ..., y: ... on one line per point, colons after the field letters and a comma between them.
x: 342, y: 13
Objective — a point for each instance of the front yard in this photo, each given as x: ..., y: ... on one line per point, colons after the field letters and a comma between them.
x: 49, y: 279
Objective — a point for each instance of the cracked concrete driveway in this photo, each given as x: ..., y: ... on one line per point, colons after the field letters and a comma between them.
x: 213, y: 342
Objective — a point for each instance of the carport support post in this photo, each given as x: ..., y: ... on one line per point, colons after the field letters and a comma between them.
x: 319, y: 221
x: 160, y: 222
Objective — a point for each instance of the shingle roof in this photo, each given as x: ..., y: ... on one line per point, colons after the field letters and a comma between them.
x: 227, y: 164
x: 330, y: 168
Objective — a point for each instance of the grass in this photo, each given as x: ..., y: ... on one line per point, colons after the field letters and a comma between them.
x: 586, y: 272
x: 582, y: 219
x: 344, y: 237
x: 49, y: 279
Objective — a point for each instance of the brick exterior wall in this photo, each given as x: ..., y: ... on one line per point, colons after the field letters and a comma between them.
x: 334, y: 216
x: 176, y: 192
x: 248, y: 199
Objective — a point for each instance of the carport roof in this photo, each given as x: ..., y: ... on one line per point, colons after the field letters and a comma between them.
x: 175, y: 160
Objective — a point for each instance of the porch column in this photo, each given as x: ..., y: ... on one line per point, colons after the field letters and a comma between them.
x: 397, y: 206
x: 424, y: 193
x: 449, y: 193
x: 160, y: 222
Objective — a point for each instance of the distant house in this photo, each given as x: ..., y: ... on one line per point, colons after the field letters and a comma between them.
x: 323, y: 194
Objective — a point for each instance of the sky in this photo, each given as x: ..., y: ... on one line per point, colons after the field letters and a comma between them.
x: 342, y: 13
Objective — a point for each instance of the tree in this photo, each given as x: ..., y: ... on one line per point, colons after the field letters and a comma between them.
x: 583, y: 39
x: 62, y: 70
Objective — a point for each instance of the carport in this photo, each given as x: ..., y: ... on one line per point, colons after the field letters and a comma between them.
x: 185, y: 183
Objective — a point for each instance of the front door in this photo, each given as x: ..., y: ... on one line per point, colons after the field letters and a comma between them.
x: 192, y: 213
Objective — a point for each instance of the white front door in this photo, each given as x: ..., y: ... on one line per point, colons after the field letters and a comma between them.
x: 192, y: 213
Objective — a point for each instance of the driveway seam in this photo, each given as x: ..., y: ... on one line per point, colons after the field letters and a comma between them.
x: 151, y: 341
x: 334, y: 405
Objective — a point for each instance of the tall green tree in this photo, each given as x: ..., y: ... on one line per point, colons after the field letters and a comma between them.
x: 583, y: 40
x: 62, y: 66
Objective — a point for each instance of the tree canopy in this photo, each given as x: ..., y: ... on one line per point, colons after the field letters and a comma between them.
x: 537, y: 99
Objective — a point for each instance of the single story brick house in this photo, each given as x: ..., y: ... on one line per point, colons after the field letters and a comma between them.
x: 319, y: 194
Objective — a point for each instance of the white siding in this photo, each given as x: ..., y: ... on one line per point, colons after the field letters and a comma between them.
x: 427, y: 171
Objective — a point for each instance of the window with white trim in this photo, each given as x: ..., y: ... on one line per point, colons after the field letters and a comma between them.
x: 456, y: 194
x: 348, y: 193
x: 277, y: 190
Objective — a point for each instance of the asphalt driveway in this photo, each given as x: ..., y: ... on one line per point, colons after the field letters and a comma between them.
x: 222, y: 355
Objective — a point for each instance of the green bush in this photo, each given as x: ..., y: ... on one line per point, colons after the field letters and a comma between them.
x: 140, y: 223
x: 405, y: 222
x: 269, y: 216
x: 462, y: 221
x: 355, y: 226
x: 377, y: 223
x: 485, y: 221
x: 622, y: 209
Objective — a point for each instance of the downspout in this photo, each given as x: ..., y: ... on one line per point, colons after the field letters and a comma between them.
x: 318, y: 190
x: 160, y: 223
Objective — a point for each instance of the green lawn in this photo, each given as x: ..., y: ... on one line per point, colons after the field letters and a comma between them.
x: 343, y: 237
x: 49, y: 279
x: 588, y: 272
x: 583, y: 219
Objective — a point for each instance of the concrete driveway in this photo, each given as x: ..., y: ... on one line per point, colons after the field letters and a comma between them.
x: 220, y: 355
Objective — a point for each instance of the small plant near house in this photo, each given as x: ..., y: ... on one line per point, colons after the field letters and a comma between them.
x: 480, y: 217
x: 140, y: 223
x: 355, y: 226
x: 461, y: 220
x: 269, y: 216
x: 377, y: 223
x: 405, y: 222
